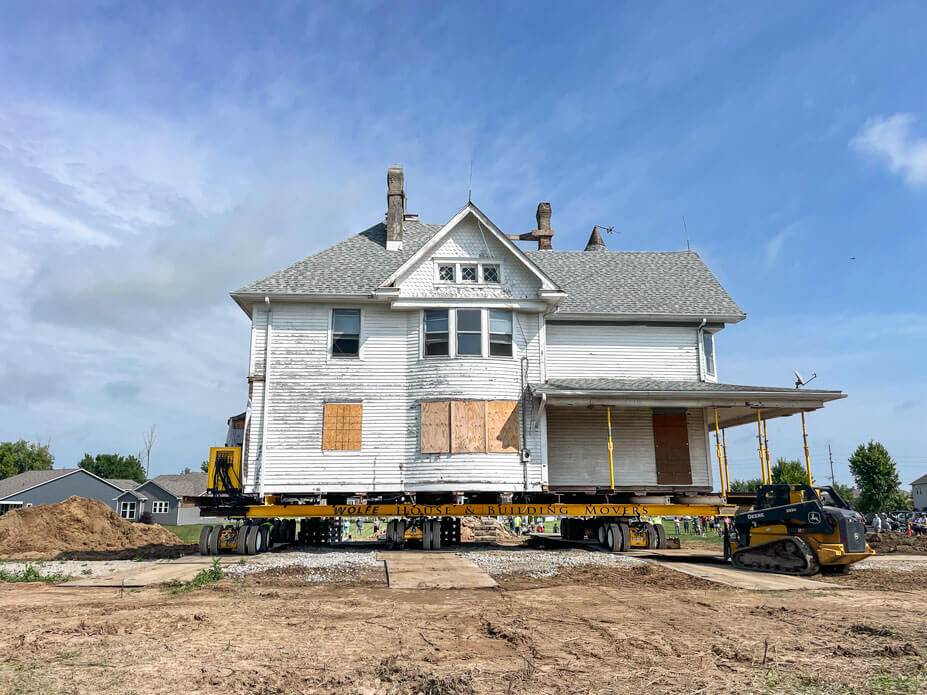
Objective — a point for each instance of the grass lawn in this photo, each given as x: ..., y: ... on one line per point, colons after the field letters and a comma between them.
x: 189, y: 533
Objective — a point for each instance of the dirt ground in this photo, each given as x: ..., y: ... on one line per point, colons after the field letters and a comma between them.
x: 586, y: 630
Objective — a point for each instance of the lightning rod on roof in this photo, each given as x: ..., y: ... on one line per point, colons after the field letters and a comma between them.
x: 470, y: 187
x: 686, y: 228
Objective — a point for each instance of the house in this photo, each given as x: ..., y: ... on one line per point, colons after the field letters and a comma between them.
x: 443, y: 361
x: 174, y: 499
x: 919, y: 494
x: 52, y: 486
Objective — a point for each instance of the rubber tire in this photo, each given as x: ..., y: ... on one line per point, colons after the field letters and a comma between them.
x: 661, y: 536
x: 625, y: 536
x: 436, y: 534
x: 603, y: 534
x: 213, y: 542
x: 565, y: 529
x: 652, y: 540
x: 265, y: 532
x: 240, y: 545
x: 613, y: 538
x: 251, y: 538
x: 426, y: 534
x: 204, y: 540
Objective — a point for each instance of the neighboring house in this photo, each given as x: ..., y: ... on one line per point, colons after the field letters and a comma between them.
x: 441, y: 360
x: 174, y: 499
x: 919, y: 494
x: 235, y: 436
x: 52, y: 486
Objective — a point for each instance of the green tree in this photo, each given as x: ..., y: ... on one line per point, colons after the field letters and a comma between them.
x: 877, y: 479
x: 847, y: 493
x: 745, y: 485
x: 19, y: 457
x: 114, y: 466
x: 789, y: 472
x: 204, y: 466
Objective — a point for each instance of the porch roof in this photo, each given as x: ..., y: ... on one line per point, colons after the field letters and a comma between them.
x: 736, y: 404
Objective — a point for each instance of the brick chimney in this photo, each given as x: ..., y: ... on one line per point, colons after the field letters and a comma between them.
x: 543, y: 233
x: 596, y: 242
x: 395, y: 207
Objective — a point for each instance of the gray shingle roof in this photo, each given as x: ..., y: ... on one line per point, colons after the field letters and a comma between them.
x: 23, y: 481
x: 920, y: 481
x: 671, y: 284
x: 123, y: 484
x: 184, y: 484
x: 553, y: 386
x: 355, y: 266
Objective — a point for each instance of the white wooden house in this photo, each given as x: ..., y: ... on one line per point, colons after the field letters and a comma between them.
x: 440, y: 360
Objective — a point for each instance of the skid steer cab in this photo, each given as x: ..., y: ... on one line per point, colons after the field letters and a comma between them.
x: 798, y: 530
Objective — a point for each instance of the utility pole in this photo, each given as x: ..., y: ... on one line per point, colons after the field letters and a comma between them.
x: 831, y: 457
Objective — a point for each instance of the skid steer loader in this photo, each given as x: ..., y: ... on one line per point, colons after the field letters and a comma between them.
x: 799, y: 530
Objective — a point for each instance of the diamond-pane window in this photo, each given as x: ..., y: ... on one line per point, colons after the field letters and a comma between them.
x: 446, y: 273
x: 490, y: 273
x: 468, y: 273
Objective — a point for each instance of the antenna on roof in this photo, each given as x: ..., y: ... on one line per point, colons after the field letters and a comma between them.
x: 470, y: 187
x: 686, y: 228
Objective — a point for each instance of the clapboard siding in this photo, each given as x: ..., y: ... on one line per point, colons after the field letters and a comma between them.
x: 577, y: 447
x: 621, y: 352
x: 390, y: 380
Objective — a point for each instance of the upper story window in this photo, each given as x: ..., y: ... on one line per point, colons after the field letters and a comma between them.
x: 500, y: 333
x: 436, y: 333
x: 345, y: 332
x: 708, y: 341
x: 470, y: 272
x: 467, y: 333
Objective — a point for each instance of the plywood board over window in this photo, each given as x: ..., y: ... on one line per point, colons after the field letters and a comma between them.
x: 502, y: 426
x: 436, y: 427
x: 468, y: 426
x: 671, y: 449
x: 342, y: 425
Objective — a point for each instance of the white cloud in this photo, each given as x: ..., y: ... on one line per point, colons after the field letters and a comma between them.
x: 775, y: 244
x: 889, y: 140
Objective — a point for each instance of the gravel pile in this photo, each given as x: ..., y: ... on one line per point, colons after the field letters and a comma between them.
x: 79, y: 569
x: 321, y: 565
x: 543, y: 563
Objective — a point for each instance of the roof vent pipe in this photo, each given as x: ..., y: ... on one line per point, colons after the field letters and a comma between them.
x: 395, y: 207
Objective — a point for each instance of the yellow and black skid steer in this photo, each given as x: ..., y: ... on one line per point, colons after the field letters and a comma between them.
x: 799, y: 530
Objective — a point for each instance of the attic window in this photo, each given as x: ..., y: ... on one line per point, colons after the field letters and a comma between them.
x: 490, y: 273
x: 468, y: 273
x: 446, y: 273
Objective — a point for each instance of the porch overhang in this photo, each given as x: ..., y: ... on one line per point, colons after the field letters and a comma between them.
x: 736, y: 404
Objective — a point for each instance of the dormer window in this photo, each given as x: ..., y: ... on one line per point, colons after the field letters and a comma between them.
x: 471, y: 272
x: 446, y: 273
x: 490, y: 273
x: 468, y: 273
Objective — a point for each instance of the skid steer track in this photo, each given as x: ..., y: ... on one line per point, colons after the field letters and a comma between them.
x: 787, y: 555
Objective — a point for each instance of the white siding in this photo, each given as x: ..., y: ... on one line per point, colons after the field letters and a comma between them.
x: 389, y: 379
x: 622, y: 352
x: 466, y: 242
x: 577, y: 447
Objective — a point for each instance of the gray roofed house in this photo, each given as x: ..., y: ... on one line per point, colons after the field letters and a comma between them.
x: 919, y: 494
x: 23, y: 481
x: 173, y: 499
x: 52, y: 486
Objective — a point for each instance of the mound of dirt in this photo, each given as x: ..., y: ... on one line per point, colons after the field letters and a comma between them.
x: 895, y: 542
x: 478, y: 529
x: 82, y: 529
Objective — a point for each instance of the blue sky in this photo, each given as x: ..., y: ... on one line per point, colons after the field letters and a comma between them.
x: 155, y: 156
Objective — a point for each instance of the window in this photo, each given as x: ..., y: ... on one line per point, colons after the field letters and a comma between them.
x: 159, y: 507
x: 468, y: 273
x: 708, y: 340
x: 451, y: 427
x: 127, y: 510
x: 446, y: 273
x: 436, y: 333
x: 469, y: 332
x: 341, y: 426
x: 490, y: 273
x: 345, y: 332
x: 500, y: 333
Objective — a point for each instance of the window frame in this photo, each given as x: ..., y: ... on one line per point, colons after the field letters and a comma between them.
x: 134, y: 507
x: 458, y: 263
x: 331, y: 334
x: 160, y: 507
x: 708, y: 350
x: 424, y: 334
x: 485, y: 336
x: 490, y: 334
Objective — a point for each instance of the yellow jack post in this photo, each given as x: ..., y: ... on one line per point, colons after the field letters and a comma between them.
x: 727, y: 474
x: 804, y: 435
x: 768, y: 457
x: 723, y: 479
x: 611, y: 464
x: 759, y: 438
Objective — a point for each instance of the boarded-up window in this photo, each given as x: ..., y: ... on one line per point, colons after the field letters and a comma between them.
x: 502, y: 426
x: 470, y: 427
x: 436, y: 428
x: 671, y: 448
x: 341, y: 429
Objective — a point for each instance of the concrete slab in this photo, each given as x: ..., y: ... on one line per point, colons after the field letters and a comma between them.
x: 149, y: 573
x: 433, y: 570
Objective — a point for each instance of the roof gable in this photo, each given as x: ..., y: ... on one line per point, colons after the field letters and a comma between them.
x: 428, y: 249
x: 183, y: 484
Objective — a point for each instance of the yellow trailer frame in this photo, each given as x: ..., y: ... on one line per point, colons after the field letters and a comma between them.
x: 284, y: 511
